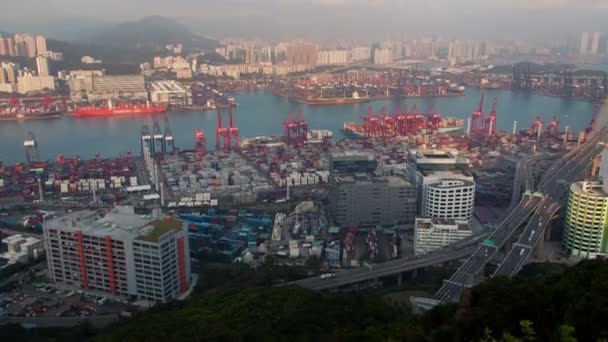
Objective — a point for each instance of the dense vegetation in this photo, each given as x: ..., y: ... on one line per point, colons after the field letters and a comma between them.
x: 573, y: 304
x: 563, y: 306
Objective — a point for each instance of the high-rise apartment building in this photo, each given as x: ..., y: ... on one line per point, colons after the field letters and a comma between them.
x: 462, y: 51
x: 120, y: 253
x: 595, y: 44
x: 360, y: 54
x: 3, y: 46
x: 302, y: 54
x: 31, y: 84
x: 20, y: 48
x: 10, y: 46
x: 586, y: 222
x: 383, y: 56
x: 42, y: 65
x: 333, y: 57
x: 41, y: 45
x: 30, y: 46
x: 584, y: 44
x: 10, y: 71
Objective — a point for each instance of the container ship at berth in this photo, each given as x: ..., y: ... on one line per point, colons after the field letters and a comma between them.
x: 355, y: 98
x: 28, y: 114
x: 446, y: 125
x: 120, y: 109
x: 17, y: 109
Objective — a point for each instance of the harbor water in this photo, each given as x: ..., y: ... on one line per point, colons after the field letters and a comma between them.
x: 263, y: 113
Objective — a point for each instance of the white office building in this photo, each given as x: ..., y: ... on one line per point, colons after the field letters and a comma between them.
x: 120, y: 253
x: 445, y: 187
x: 21, y: 249
x: 449, y: 199
x: 435, y: 233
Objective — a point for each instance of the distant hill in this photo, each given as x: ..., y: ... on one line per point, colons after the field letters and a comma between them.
x: 151, y: 33
x: 132, y: 42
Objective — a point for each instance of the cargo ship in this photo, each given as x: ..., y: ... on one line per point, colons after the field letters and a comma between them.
x: 120, y: 109
x: 446, y: 125
x: 355, y: 98
x: 8, y: 114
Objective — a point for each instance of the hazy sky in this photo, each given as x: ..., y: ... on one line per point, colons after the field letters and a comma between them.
x: 502, y: 18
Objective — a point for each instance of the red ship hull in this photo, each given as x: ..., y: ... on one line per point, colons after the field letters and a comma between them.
x: 135, y: 110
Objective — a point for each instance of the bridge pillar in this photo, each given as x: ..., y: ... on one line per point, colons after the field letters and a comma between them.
x: 538, y: 251
x: 399, y: 279
x: 415, y: 274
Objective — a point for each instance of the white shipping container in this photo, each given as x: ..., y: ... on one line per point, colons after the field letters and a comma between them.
x: 64, y: 188
x: 133, y: 181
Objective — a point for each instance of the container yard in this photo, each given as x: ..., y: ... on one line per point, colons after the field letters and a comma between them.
x: 361, y: 85
x: 65, y: 177
x: 226, y: 176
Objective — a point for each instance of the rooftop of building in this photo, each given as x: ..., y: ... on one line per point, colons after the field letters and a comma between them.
x: 362, y: 177
x: 452, y: 183
x: 452, y: 173
x: 437, y: 157
x: 121, y: 223
x: 157, y: 228
x: 25, y: 240
x: 593, y: 189
x: 430, y: 222
x: 353, y: 155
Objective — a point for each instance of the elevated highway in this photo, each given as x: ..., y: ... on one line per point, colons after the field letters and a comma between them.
x: 552, y: 189
x: 457, y: 251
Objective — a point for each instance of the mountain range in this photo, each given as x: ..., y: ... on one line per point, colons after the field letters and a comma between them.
x: 129, y: 42
x: 150, y: 33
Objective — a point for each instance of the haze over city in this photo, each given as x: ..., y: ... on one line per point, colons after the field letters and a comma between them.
x: 292, y: 170
x: 321, y: 19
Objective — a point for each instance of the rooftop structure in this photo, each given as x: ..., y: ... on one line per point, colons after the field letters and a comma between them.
x: 352, y: 161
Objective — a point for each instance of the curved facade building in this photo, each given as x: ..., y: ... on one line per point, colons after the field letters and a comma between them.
x: 585, y: 224
x: 450, y: 199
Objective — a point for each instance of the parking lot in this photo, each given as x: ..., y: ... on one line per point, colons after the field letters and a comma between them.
x: 45, y: 300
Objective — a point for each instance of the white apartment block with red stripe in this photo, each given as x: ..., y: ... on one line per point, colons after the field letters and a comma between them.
x: 120, y: 253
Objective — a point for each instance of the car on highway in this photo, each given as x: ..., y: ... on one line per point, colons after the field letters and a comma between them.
x: 327, y: 275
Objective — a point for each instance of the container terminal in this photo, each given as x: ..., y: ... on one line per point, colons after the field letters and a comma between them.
x: 356, y: 86
x: 258, y: 196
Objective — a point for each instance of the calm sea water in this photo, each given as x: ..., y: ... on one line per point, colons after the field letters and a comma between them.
x: 263, y: 114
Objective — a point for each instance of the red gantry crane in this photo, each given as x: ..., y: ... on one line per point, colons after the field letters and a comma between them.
x: 477, y: 119
x: 490, y: 123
